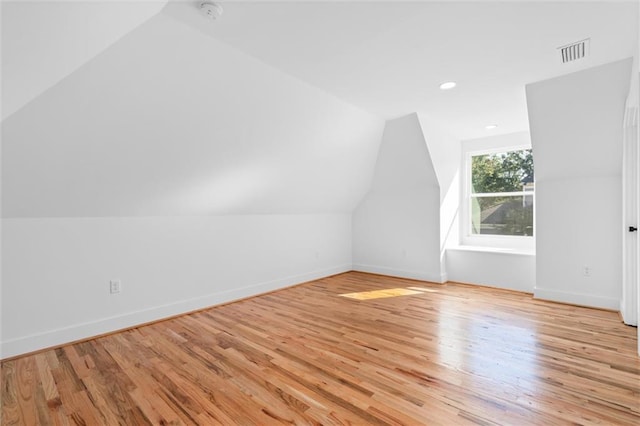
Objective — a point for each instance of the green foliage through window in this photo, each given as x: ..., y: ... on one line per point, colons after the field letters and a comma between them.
x: 502, y: 172
x: 509, y: 174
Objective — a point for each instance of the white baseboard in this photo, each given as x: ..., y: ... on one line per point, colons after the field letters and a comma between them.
x: 629, y: 317
x: 60, y: 336
x: 577, y: 299
x: 414, y: 275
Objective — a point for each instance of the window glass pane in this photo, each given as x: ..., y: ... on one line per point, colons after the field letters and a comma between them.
x: 502, y: 215
x: 502, y: 172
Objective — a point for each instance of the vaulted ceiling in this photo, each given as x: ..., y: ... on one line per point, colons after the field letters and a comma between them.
x: 167, y: 121
x: 44, y: 41
x: 390, y: 57
x: 386, y: 57
x: 149, y: 108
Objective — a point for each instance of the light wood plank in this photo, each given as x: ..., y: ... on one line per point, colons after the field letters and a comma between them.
x: 423, y: 354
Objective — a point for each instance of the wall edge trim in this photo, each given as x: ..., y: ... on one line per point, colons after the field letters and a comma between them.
x: 581, y: 299
x: 400, y: 273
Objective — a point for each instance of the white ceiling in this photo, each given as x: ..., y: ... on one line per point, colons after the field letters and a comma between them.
x: 385, y: 57
x: 126, y: 109
x: 169, y: 122
x: 389, y: 57
x: 43, y: 42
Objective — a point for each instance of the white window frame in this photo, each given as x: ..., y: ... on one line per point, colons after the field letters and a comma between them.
x: 513, y: 242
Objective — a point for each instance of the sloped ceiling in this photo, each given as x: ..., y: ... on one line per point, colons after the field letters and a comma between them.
x: 389, y: 57
x: 275, y: 108
x: 42, y: 42
x: 386, y: 57
x: 170, y: 122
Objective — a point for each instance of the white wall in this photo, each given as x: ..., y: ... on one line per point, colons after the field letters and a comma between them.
x: 579, y: 226
x: 33, y: 63
x: 188, y: 170
x: 1, y: 115
x: 56, y: 272
x: 396, y: 228
x: 511, y: 267
x: 630, y: 195
x: 637, y: 79
x: 495, y: 268
x: 576, y: 132
x: 444, y: 150
x: 170, y: 122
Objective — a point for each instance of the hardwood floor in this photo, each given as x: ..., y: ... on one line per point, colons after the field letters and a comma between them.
x: 425, y: 354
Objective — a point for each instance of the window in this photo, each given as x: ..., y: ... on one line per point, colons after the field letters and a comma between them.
x: 500, y: 193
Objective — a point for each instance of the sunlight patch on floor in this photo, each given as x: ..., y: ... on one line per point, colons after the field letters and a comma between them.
x: 422, y: 289
x: 379, y: 294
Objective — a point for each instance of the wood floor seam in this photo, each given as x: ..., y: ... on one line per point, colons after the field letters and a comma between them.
x: 431, y: 355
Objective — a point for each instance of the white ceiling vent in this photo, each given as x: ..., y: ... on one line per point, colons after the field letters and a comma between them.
x: 574, y: 51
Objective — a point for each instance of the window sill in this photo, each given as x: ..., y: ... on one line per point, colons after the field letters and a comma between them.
x: 497, y: 250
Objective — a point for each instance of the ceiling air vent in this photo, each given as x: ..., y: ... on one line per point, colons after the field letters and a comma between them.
x: 574, y: 51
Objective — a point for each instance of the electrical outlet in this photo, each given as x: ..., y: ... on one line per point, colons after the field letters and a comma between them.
x: 586, y: 271
x: 115, y: 286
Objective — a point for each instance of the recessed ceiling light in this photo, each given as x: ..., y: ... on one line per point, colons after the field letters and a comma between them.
x: 491, y: 126
x: 448, y: 85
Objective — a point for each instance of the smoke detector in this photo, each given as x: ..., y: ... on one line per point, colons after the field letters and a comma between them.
x: 211, y: 10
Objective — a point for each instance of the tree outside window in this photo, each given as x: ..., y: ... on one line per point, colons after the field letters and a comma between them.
x: 502, y: 193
